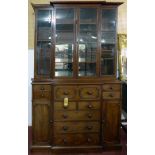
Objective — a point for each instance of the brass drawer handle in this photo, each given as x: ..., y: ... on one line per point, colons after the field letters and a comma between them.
x: 111, y: 95
x: 89, y: 115
x: 64, y: 141
x: 65, y: 128
x: 66, y: 92
x: 111, y: 88
x: 89, y: 92
x: 42, y: 88
x: 89, y: 127
x: 42, y: 95
x: 90, y: 106
x: 89, y: 140
x: 64, y: 116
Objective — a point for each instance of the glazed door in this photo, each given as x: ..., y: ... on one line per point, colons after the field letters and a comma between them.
x: 43, y: 42
x: 64, y: 42
x: 108, y: 41
x: 87, y: 41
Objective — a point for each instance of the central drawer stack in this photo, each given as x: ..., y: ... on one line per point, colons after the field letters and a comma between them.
x: 78, y: 123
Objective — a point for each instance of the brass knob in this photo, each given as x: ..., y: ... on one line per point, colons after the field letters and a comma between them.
x: 64, y: 116
x: 111, y: 95
x: 64, y: 141
x: 42, y: 88
x: 42, y: 95
x: 90, y: 115
x: 88, y: 140
x: 111, y: 88
x: 66, y: 93
x: 89, y: 127
x: 65, y: 128
x: 90, y: 106
x: 89, y: 92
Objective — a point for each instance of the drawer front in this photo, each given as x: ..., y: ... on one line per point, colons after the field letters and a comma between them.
x: 111, y: 95
x: 41, y: 87
x: 76, y: 139
x: 89, y: 92
x: 76, y: 127
x: 111, y: 87
x: 76, y: 115
x: 89, y: 105
x: 41, y: 95
x: 60, y: 106
x: 60, y: 92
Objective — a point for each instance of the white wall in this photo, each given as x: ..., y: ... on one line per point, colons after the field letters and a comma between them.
x: 30, y: 75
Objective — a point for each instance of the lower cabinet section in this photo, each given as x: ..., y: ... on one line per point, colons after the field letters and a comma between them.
x: 90, y: 120
x: 76, y: 139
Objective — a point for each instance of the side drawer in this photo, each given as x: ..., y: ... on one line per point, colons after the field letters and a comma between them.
x: 41, y: 87
x: 76, y: 139
x: 111, y: 87
x: 76, y: 127
x: 111, y: 95
x: 60, y: 92
x: 76, y: 115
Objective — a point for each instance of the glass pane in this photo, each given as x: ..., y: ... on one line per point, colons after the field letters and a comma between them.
x: 87, y: 42
x: 64, y: 42
x: 87, y: 27
x: 43, y: 57
x: 64, y: 15
x: 63, y: 60
x: 108, y: 37
x: 44, y: 25
x: 109, y: 20
x: 107, y: 65
x: 88, y: 15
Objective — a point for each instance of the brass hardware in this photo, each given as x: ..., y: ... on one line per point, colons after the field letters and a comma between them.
x: 90, y: 115
x: 42, y: 95
x: 88, y: 139
x: 42, y: 88
x: 89, y: 92
x: 89, y: 127
x: 111, y: 95
x: 64, y: 116
x: 90, y: 106
x: 65, y: 128
x: 111, y: 88
x: 65, y: 102
x: 66, y: 93
x: 64, y: 141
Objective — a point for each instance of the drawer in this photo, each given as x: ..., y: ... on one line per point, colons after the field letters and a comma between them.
x: 89, y: 92
x: 76, y: 139
x: 76, y: 127
x: 41, y: 87
x: 60, y: 106
x: 60, y: 92
x: 76, y: 115
x: 111, y: 95
x: 111, y: 87
x: 41, y: 95
x: 89, y: 105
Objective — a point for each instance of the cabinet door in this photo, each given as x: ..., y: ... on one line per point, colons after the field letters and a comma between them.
x: 108, y: 41
x: 64, y: 42
x: 87, y: 41
x: 111, y: 127
x: 40, y: 124
x: 43, y: 42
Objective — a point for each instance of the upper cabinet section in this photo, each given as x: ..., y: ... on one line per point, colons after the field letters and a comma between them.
x: 75, y: 40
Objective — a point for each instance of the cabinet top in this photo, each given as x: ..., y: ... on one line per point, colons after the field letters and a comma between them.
x: 76, y: 2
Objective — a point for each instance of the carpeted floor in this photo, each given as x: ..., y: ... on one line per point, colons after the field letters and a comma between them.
x: 122, y: 152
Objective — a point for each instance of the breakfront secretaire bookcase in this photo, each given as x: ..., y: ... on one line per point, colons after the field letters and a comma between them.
x: 76, y: 101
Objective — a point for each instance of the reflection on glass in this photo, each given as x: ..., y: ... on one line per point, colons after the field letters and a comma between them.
x: 43, y: 58
x: 44, y: 25
x: 107, y: 66
x: 87, y: 42
x: 88, y: 15
x: 108, y: 19
x: 64, y: 42
x: 64, y: 15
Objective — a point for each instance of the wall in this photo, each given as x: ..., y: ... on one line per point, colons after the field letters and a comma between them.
x: 122, y: 28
